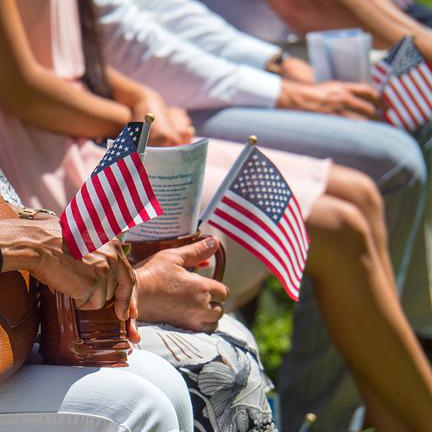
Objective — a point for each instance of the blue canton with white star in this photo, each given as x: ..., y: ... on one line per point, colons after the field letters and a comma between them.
x: 125, y: 144
x: 262, y: 184
x: 404, y: 56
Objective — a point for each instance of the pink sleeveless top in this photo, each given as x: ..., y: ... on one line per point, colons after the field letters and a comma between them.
x: 46, y: 169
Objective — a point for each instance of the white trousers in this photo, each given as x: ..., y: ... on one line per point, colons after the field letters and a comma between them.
x: 148, y: 396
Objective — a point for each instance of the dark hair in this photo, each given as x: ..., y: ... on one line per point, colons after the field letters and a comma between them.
x: 95, y: 77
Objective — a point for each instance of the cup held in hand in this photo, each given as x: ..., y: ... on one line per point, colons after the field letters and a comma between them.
x: 141, y: 250
x: 81, y: 338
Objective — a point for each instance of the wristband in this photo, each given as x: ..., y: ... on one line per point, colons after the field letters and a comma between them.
x: 30, y: 213
x: 274, y: 65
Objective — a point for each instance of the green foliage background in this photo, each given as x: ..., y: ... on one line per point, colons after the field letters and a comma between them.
x: 273, y: 325
x: 426, y: 2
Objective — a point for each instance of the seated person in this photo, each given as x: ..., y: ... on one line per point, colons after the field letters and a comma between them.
x: 275, y: 20
x: 387, y: 20
x: 149, y: 395
x: 158, y: 385
x: 61, y: 163
x: 171, y: 35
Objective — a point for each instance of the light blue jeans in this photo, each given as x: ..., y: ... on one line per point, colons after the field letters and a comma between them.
x: 314, y: 378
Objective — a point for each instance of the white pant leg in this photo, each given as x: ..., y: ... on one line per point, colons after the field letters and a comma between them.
x: 165, y: 377
x: 42, y: 398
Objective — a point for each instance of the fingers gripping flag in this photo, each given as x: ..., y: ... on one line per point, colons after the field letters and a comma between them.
x: 259, y: 211
x: 116, y: 197
x: 404, y: 79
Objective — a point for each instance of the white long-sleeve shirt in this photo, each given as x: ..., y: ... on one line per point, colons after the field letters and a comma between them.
x: 138, y: 44
x: 193, y: 21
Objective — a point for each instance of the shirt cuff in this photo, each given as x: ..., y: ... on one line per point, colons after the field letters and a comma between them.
x: 252, y: 52
x: 257, y: 88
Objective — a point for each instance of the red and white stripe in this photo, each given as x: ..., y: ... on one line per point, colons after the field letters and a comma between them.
x: 409, y: 97
x: 281, y: 247
x: 110, y: 202
x: 380, y: 73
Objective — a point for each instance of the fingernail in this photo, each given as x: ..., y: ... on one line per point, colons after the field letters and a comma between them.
x: 210, y: 243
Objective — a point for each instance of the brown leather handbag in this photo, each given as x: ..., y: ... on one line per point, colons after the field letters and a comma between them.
x: 19, y: 315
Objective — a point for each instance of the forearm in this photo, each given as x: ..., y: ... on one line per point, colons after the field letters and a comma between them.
x: 387, y: 22
x: 126, y: 91
x: 304, y: 16
x: 38, y: 97
x: 382, y: 18
x: 19, y: 244
x: 45, y: 101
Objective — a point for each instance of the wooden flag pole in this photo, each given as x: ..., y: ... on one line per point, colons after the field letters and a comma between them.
x: 310, y: 419
x: 145, y: 133
x: 141, y: 147
x: 252, y: 141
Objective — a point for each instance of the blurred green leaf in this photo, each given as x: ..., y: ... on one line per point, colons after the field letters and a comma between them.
x: 273, y: 325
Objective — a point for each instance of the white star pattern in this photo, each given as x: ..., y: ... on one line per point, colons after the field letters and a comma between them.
x: 262, y: 184
x: 122, y: 146
x: 259, y: 211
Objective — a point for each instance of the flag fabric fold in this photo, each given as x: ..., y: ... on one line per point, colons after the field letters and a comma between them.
x: 404, y: 79
x: 258, y: 210
x: 116, y: 197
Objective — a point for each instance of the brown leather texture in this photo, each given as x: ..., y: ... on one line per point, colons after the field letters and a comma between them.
x: 19, y: 317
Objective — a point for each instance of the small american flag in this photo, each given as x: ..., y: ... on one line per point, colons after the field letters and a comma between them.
x: 116, y: 197
x: 259, y: 211
x: 404, y: 79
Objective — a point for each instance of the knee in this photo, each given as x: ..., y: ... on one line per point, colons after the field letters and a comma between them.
x: 408, y: 168
x: 122, y: 397
x: 166, y: 378
x: 368, y: 197
x: 350, y: 234
x: 150, y: 408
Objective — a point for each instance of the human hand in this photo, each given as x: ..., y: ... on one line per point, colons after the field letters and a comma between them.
x: 297, y: 70
x: 38, y: 246
x: 172, y: 126
x: 132, y: 330
x: 353, y: 100
x: 182, y: 123
x: 168, y: 293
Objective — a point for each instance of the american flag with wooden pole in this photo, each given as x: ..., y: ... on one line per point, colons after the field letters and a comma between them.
x: 116, y: 197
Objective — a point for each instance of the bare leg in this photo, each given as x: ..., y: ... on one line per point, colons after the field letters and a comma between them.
x: 304, y: 16
x: 377, y: 414
x: 388, y: 23
x: 365, y: 322
x: 360, y: 190
x: 382, y: 18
